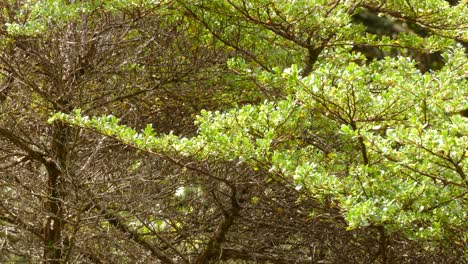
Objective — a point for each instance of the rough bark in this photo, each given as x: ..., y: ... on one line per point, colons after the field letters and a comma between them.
x: 213, y: 248
x: 55, y: 223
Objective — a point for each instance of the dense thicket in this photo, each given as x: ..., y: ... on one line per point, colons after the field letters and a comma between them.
x: 233, y: 131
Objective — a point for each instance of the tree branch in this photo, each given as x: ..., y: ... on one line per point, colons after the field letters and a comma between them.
x: 117, y: 222
x: 213, y: 248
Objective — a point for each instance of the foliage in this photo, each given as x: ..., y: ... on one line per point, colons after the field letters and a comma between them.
x: 412, y: 147
x: 272, y: 133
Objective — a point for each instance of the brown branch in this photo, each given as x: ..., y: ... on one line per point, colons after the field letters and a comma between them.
x: 217, y: 36
x: 213, y: 248
x: 117, y: 222
x: 14, y: 220
x: 433, y: 28
x: 311, y: 59
x: 6, y: 87
x: 21, y: 143
x: 239, y: 254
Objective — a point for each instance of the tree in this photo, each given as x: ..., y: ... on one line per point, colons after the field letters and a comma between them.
x: 333, y: 137
x: 98, y: 58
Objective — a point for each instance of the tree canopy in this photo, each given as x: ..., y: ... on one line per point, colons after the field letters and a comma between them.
x: 233, y: 131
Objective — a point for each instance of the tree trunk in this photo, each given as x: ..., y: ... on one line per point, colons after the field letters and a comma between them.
x: 54, y: 224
